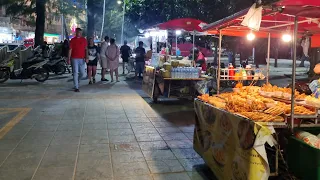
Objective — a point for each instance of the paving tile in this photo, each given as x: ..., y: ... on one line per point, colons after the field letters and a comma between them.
x: 117, y: 116
x: 158, y: 155
x: 17, y: 174
x: 70, y: 121
x: 119, y: 126
x: 55, y: 173
x: 8, y: 144
x: 70, y: 127
x: 189, y: 164
x: 101, y: 126
x: 95, y: 121
x: 142, y: 125
x: 95, y: 173
x: 162, y: 124
x: 42, y: 121
x: 72, y: 117
x: 93, y: 160
x: 15, y: 135
x: 183, y: 144
x: 95, y: 133
x: 58, y: 160
x: 36, y: 141
x: 95, y: 148
x: 165, y: 166
x: 187, y: 129
x: 122, y: 139
x: 138, y: 120
x: 148, y: 137
x: 168, y: 130
x: 154, y: 145
x: 123, y: 157
x: 119, y: 132
x: 74, y: 140
x: 185, y: 153
x: 20, y: 149
x: 130, y: 169
x: 117, y: 120
x: 119, y: 147
x: 145, y: 130
x: 173, y: 136
x: 88, y: 140
x: 135, y: 115
x: 171, y: 176
x: 155, y: 119
x: 62, y: 149
x: 44, y: 127
x: 189, y: 136
x: 22, y: 161
x: 3, y: 155
x: 142, y: 177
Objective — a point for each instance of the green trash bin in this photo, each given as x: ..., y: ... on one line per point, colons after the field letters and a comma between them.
x: 303, y: 159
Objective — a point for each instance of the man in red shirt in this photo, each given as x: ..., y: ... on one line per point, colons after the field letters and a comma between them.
x: 78, y: 56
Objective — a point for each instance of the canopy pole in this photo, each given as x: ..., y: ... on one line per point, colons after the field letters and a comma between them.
x: 219, y: 62
x: 194, y: 39
x: 295, y: 37
x: 268, y: 57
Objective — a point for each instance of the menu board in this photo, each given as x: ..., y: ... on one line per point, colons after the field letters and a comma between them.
x: 148, y: 80
x: 155, y: 59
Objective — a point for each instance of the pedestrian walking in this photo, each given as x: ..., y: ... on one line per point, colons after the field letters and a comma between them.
x: 113, y: 55
x: 103, y: 58
x: 78, y: 55
x: 140, y: 59
x: 125, y: 51
x: 94, y: 56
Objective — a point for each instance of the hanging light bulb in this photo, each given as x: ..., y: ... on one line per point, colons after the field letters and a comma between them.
x: 286, y: 37
x: 251, y: 36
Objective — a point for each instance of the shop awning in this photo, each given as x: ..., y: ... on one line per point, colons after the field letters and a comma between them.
x: 276, y: 19
x: 187, y: 24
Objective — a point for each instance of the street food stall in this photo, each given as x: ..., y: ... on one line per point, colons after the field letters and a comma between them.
x: 169, y: 77
x: 240, y: 134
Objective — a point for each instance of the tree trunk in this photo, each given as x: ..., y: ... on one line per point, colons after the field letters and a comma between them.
x: 314, y: 60
x: 90, y: 15
x: 65, y: 27
x: 40, y: 21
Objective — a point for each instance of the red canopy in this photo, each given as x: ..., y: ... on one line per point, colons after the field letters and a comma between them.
x: 187, y: 24
x: 274, y: 21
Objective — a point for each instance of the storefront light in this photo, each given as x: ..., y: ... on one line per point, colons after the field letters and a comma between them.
x: 178, y: 32
x: 286, y: 38
x: 154, y: 33
x: 251, y: 36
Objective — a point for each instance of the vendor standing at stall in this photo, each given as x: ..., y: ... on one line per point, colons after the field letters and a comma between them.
x: 200, y: 60
x: 140, y: 59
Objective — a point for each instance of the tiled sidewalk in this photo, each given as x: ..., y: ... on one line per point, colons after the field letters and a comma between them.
x: 106, y: 132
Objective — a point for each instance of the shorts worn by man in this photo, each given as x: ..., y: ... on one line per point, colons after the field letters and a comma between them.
x: 78, y: 57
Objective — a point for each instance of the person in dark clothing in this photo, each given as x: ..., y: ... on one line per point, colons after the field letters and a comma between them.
x: 65, y: 48
x: 125, y: 52
x: 140, y: 59
x: 45, y: 49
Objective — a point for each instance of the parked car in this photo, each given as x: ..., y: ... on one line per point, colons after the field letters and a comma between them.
x: 12, y: 46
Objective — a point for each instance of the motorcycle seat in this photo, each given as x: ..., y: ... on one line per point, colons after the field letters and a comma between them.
x: 30, y: 63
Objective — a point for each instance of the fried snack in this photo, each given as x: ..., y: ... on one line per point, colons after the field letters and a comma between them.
x: 299, y: 110
x: 301, y: 96
x: 217, y: 102
x: 239, y: 85
x: 275, y: 111
x: 258, y: 117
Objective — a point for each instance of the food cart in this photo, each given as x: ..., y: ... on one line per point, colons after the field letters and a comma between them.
x: 168, y: 77
x: 233, y: 130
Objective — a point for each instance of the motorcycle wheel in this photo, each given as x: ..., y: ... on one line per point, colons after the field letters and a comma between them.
x: 42, y: 75
x: 60, y: 69
x: 4, y: 76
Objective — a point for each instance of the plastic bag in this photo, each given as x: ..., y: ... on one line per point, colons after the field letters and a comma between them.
x: 253, y: 18
x: 202, y: 87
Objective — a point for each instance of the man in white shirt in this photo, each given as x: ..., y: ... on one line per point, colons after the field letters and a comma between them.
x: 305, y: 43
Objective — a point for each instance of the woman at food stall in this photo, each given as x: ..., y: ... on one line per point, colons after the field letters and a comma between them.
x: 200, y: 60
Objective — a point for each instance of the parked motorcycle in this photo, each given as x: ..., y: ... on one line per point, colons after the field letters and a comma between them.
x: 30, y: 69
x: 56, y: 65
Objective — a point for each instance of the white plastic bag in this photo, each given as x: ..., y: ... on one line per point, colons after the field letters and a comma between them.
x: 253, y: 18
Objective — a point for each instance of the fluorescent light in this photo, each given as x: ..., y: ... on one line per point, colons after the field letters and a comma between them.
x: 178, y: 32
x: 147, y: 35
x: 251, y: 36
x: 286, y: 37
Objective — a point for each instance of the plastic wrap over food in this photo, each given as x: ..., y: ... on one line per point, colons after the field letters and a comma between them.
x: 308, y: 138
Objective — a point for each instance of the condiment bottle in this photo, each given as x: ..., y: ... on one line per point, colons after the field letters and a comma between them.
x: 231, y: 71
x: 249, y: 73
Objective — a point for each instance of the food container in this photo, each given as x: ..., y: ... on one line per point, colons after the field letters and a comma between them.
x: 287, y: 96
x: 165, y: 73
x: 174, y: 64
x: 236, y: 89
x: 278, y: 94
x: 167, y: 66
